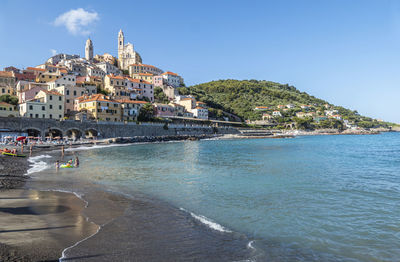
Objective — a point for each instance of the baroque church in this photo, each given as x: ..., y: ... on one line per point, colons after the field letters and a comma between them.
x: 126, y: 53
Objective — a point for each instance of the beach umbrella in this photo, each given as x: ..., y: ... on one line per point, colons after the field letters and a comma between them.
x: 20, y: 138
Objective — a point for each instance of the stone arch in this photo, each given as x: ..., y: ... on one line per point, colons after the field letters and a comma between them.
x: 73, y: 133
x: 54, y: 132
x: 91, y: 132
x: 33, y: 131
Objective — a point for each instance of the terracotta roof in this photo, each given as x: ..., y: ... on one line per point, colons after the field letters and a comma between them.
x: 98, y: 99
x: 5, y: 104
x: 131, y: 101
x: 115, y: 77
x: 6, y: 74
x: 170, y: 73
x: 35, y: 69
x: 145, y: 74
x: 199, y: 107
x: 51, y: 92
x: 143, y: 65
x: 187, y: 98
x: 199, y: 102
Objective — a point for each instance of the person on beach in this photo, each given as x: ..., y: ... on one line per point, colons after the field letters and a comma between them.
x: 22, y: 147
x: 30, y: 150
x: 62, y: 150
x: 57, y: 165
x: 76, y: 163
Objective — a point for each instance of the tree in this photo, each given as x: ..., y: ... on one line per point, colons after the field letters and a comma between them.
x: 13, y: 100
x: 146, y: 113
x: 102, y: 91
x: 160, y: 96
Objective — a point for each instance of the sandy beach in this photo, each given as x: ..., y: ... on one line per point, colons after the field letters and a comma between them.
x: 37, y: 224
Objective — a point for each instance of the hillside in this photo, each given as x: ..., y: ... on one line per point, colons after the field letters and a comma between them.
x: 241, y: 97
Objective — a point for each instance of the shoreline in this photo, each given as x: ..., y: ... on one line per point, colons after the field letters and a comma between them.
x: 97, y: 212
x: 94, y: 208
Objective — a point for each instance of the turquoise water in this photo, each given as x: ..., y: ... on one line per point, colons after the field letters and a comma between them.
x: 330, y: 198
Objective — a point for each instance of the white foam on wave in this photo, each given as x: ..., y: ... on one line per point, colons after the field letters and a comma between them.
x: 37, y: 164
x: 250, y: 245
x: 81, y: 148
x: 208, y: 222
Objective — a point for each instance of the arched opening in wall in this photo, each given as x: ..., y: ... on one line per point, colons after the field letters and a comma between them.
x: 54, y: 133
x: 73, y: 133
x: 91, y: 133
x: 33, y: 132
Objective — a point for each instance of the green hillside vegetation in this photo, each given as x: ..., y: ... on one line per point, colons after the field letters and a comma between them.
x: 240, y: 97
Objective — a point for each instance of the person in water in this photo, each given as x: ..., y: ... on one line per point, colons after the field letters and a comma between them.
x: 57, y: 165
x: 76, y: 163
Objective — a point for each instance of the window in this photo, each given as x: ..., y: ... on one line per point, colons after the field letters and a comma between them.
x: 59, y: 116
x: 30, y: 107
x: 37, y: 115
x: 51, y: 97
x: 74, y: 92
x: 31, y: 115
x: 67, y: 101
x: 60, y: 107
x: 67, y: 92
x: 43, y: 116
x: 43, y: 108
x: 51, y: 106
x: 50, y: 116
x: 3, y: 90
x: 59, y: 98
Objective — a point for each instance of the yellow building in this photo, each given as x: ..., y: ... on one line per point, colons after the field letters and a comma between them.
x: 8, y: 110
x: 47, y: 77
x: 142, y: 68
x: 188, y: 102
x: 144, y: 76
x: 46, y: 104
x: 99, y: 107
x: 7, y: 83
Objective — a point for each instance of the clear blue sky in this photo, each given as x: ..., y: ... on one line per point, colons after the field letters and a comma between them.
x: 347, y: 52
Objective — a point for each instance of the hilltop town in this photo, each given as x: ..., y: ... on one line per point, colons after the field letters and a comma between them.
x: 96, y: 87
x: 105, y: 88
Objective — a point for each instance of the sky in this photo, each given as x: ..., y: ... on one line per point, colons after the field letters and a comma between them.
x: 346, y: 52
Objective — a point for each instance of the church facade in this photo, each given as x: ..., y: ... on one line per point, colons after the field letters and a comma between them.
x: 126, y: 53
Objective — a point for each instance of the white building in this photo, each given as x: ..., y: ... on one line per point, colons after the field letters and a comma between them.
x: 276, y: 114
x: 108, y: 68
x: 126, y: 53
x: 200, y: 112
x: 172, y: 79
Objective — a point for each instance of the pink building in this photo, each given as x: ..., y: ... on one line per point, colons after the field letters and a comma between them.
x: 163, y: 110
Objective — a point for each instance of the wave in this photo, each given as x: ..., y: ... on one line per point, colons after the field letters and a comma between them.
x: 208, y: 222
x: 37, y: 164
x: 81, y: 148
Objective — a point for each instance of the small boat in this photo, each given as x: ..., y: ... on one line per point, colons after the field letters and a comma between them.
x: 10, y: 154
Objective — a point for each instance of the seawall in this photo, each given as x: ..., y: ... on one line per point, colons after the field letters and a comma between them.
x: 71, y: 128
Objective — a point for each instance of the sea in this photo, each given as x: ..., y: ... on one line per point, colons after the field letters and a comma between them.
x: 308, y: 198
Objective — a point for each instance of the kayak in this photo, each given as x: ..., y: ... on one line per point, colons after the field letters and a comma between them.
x: 65, y: 166
x: 10, y: 154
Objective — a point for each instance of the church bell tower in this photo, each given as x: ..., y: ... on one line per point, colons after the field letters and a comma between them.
x: 89, y: 50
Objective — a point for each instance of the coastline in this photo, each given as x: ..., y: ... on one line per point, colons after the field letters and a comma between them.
x: 104, y: 217
x: 99, y: 215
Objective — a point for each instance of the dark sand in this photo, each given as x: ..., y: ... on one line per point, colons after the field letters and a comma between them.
x: 37, y: 225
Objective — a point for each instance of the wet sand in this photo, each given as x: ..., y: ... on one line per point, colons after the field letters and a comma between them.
x: 38, y: 225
